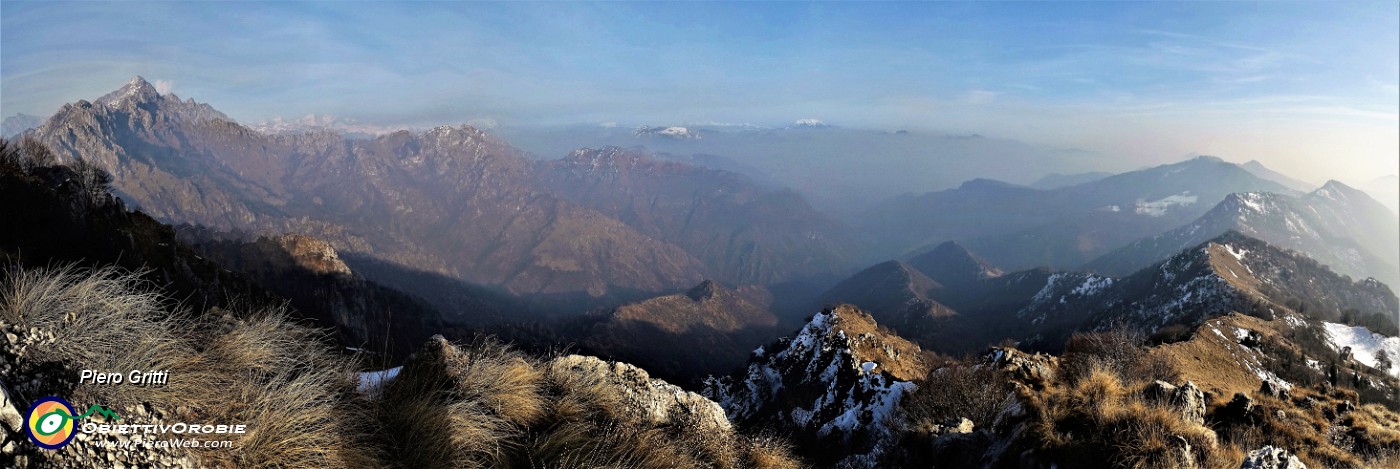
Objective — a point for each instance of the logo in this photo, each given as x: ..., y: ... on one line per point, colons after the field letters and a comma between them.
x: 50, y: 422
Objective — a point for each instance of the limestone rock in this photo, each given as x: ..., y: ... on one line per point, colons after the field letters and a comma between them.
x: 1270, y: 457
x: 656, y: 401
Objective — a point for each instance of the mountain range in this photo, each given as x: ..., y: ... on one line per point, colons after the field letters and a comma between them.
x: 1187, y: 315
x: 453, y: 201
x: 1335, y: 224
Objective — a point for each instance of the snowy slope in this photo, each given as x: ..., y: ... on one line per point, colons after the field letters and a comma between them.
x: 1365, y: 345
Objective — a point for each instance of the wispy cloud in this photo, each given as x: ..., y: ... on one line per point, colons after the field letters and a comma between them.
x: 981, y: 96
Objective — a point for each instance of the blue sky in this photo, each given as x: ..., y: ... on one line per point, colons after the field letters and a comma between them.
x: 1290, y: 83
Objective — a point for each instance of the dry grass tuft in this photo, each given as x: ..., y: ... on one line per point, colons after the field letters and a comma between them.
x: 262, y: 371
x: 103, y: 319
x: 481, y: 405
x: 1098, y: 416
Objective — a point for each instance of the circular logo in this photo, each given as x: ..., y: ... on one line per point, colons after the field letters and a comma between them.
x: 50, y: 422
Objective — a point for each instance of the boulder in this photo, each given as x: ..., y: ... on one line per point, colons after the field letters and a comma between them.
x: 655, y: 400
x: 1034, y: 369
x: 1187, y: 399
x: 10, y: 417
x: 1270, y: 457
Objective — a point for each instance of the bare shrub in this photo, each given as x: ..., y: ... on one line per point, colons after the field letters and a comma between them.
x: 36, y: 154
x: 959, y: 390
x: 1120, y: 350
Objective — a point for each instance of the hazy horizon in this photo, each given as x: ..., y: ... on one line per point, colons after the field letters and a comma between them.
x: 1307, y: 89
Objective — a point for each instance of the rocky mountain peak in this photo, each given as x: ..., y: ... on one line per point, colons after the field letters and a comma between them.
x: 138, y: 90
x: 1336, y: 190
x: 841, y: 376
x: 706, y: 290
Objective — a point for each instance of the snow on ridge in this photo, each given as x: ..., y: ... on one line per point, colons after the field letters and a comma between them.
x: 1364, y: 345
x: 1239, y: 255
x: 853, y: 396
x: 1158, y: 208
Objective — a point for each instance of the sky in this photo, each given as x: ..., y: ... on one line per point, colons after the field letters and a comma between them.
x: 1309, y: 88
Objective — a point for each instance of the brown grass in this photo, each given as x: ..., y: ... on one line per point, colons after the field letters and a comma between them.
x: 501, y: 409
x: 256, y: 369
x: 1100, y: 417
x: 480, y: 405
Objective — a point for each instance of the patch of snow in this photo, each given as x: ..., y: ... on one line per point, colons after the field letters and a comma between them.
x: 372, y: 381
x: 1364, y: 345
x: 1158, y: 208
x: 1239, y: 255
x: 1092, y: 285
x: 868, y: 366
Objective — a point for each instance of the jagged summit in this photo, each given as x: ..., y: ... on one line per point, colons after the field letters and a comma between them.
x: 136, y: 90
x: 841, y: 376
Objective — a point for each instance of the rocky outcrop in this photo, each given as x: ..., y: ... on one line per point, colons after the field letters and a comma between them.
x: 1036, y: 369
x: 838, y: 380
x: 313, y: 254
x: 654, y: 401
x: 1187, y: 399
x: 1270, y: 457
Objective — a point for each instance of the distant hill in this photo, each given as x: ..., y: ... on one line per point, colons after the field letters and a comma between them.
x: 1057, y: 180
x: 894, y: 293
x: 706, y: 330
x: 1040, y: 308
x: 18, y: 123
x: 1019, y: 227
x: 1258, y: 169
x: 744, y: 233
x: 1335, y: 224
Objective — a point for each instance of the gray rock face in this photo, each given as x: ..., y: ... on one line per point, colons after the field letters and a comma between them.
x: 9, y: 415
x: 656, y: 401
x: 1270, y: 457
x: 1034, y: 369
x: 1187, y: 399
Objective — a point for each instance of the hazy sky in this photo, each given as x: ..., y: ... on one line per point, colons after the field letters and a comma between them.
x: 1308, y: 88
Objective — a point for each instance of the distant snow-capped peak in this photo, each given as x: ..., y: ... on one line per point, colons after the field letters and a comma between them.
x: 675, y: 132
x: 315, y: 122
